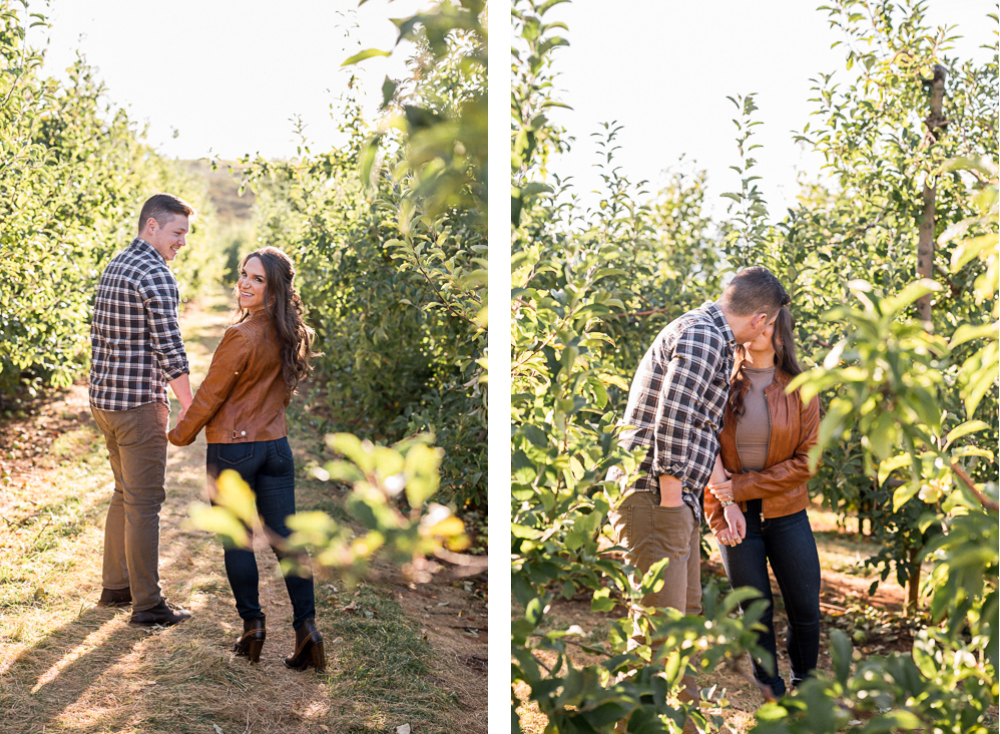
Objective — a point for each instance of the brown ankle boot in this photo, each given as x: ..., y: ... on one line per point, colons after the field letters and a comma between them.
x: 252, y: 641
x: 308, y: 648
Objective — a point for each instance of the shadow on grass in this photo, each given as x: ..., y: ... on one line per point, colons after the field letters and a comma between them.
x: 54, y: 673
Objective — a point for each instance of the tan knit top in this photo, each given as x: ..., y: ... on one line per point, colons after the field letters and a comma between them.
x: 753, y: 430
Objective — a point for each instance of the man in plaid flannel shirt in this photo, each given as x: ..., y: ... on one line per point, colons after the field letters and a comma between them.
x: 675, y: 411
x: 136, y: 352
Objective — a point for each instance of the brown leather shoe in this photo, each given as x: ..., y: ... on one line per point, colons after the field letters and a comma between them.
x: 161, y: 614
x: 252, y: 641
x: 308, y: 648
x: 115, y: 598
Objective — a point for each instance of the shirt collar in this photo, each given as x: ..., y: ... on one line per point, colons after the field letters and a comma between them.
x: 145, y: 248
x: 720, y: 321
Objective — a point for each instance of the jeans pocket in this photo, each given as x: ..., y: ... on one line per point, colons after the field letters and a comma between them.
x: 674, y: 525
x: 283, y: 448
x: 234, y: 454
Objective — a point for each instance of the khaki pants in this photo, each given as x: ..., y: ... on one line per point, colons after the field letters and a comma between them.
x: 137, y: 445
x: 650, y: 533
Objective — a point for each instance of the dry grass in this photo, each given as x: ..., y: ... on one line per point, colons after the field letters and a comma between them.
x: 67, y: 665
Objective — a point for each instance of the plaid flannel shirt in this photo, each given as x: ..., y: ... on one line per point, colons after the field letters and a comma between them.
x: 135, y: 339
x: 677, y: 402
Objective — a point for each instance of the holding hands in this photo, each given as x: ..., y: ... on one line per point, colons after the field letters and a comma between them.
x: 721, y: 485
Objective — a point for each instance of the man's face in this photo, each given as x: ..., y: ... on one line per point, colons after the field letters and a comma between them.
x: 168, y: 238
x: 754, y: 327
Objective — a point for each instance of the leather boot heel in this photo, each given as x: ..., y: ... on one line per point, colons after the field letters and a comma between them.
x: 252, y: 641
x: 308, y: 648
x: 318, y: 656
x: 253, y: 651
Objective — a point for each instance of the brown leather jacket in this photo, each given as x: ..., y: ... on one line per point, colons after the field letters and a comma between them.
x: 782, y: 483
x: 244, y: 395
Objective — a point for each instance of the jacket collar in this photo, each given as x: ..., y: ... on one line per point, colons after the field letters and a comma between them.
x: 781, y: 379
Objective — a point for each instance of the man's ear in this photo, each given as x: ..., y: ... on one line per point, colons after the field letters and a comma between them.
x: 151, y: 225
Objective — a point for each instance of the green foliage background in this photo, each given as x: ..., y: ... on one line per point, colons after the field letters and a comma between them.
x: 389, y: 236
x: 74, y: 171
x: 910, y: 408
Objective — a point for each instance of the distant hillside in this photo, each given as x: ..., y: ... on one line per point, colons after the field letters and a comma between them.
x: 223, y: 190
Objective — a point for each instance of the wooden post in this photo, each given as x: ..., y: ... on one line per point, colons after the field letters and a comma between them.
x: 913, y: 586
x: 925, y: 246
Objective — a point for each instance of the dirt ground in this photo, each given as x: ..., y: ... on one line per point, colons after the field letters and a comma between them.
x: 67, y: 665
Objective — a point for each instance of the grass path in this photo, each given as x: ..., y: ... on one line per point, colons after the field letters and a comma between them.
x: 67, y: 665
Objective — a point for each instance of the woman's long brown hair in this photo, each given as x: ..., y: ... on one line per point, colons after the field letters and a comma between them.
x: 283, y: 305
x: 783, y: 341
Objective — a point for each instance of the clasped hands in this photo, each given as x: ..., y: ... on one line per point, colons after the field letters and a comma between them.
x: 721, y: 485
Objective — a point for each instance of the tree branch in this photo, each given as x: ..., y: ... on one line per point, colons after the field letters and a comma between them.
x: 989, y: 504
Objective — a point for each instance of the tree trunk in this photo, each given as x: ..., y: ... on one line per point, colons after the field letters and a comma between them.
x: 925, y: 247
x: 913, y: 586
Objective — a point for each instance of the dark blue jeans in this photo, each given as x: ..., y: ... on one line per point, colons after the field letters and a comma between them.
x: 268, y: 468
x: 788, y: 543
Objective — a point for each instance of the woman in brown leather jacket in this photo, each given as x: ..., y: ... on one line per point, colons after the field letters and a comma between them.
x: 764, y: 448
x: 241, y: 404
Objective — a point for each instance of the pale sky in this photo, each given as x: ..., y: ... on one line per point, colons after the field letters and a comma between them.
x: 228, y: 75
x: 665, y: 67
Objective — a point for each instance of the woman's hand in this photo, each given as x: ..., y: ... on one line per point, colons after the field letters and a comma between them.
x: 723, y: 490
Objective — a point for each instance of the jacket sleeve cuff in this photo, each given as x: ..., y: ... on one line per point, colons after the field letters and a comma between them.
x: 741, y: 484
x: 177, y: 439
x: 714, y: 514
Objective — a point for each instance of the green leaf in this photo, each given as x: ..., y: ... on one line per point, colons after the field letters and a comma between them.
x: 602, y: 601
x: 652, y: 581
x: 964, y: 430
x: 219, y: 520
x: 885, y: 468
x: 388, y: 90
x: 971, y: 451
x: 970, y: 249
x: 422, y: 477
x: 362, y: 454
x: 967, y: 332
x: 892, y: 722
x: 366, y: 54
x: 841, y: 651
x: 909, y: 294
x: 904, y: 494
x: 523, y: 531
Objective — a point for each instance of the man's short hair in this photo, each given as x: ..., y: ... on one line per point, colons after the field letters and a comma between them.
x: 163, y: 208
x: 755, y: 290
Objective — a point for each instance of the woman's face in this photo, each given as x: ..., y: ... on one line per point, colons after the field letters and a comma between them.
x: 252, y: 285
x: 762, y: 343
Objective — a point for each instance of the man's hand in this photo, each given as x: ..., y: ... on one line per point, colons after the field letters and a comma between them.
x: 183, y: 413
x: 670, y: 491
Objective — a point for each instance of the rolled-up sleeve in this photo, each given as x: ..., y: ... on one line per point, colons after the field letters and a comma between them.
x: 688, y: 373
x: 160, y: 302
